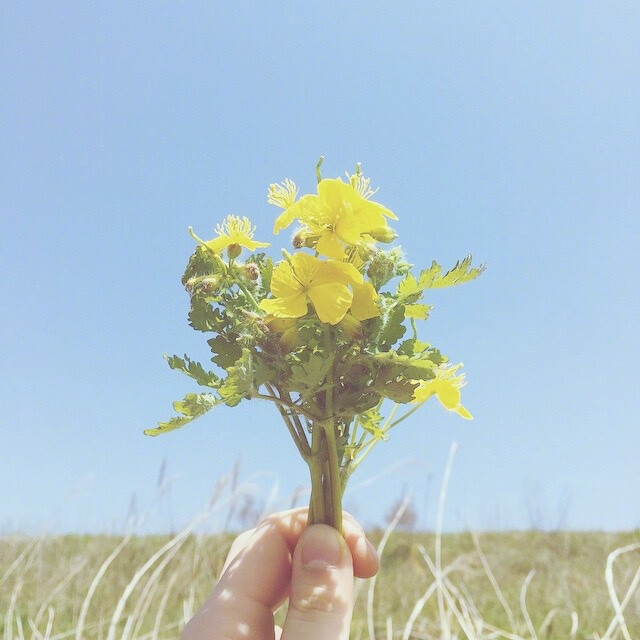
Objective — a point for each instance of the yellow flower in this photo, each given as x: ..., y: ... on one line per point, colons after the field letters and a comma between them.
x: 323, y: 282
x: 338, y: 216
x: 446, y: 386
x: 233, y: 233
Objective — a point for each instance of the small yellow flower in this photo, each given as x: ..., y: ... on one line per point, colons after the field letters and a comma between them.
x: 446, y: 386
x: 233, y: 233
x: 338, y: 216
x: 323, y: 282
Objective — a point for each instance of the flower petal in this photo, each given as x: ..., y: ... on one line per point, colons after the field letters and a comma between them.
x: 252, y: 245
x: 448, y: 393
x: 329, y: 245
x: 289, y: 307
x: 334, y: 193
x: 331, y: 301
x: 301, y: 210
x: 364, y: 304
x: 283, y: 281
x: 219, y: 244
x: 330, y: 271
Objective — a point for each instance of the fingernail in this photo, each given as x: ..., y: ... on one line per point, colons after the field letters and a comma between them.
x: 321, y: 547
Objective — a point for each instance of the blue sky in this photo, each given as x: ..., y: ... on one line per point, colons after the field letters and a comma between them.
x: 505, y: 130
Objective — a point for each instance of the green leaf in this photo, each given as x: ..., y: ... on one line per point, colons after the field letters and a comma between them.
x: 193, y: 406
x: 370, y: 421
x: 226, y: 351
x: 420, y: 311
x: 201, y: 263
x: 408, y: 291
x: 462, y: 272
x: 399, y: 390
x: 308, y: 374
x: 392, y: 328
x: 412, y: 347
x: 194, y: 370
x: 239, y: 382
x: 203, y: 317
x: 412, y: 368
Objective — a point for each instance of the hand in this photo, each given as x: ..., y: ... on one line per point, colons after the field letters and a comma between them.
x: 282, y: 557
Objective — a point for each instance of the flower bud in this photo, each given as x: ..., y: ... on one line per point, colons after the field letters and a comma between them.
x: 383, y: 234
x: 299, y: 238
x: 233, y: 251
x: 203, y: 285
x: 251, y: 271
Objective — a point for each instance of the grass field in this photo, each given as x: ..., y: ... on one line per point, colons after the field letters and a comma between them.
x: 147, y: 587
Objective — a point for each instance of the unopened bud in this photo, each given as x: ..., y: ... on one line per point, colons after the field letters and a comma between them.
x: 251, y: 271
x: 383, y: 234
x: 299, y: 238
x: 203, y: 285
x: 233, y: 251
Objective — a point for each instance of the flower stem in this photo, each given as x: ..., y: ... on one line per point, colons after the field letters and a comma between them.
x: 334, y: 508
x: 316, y: 506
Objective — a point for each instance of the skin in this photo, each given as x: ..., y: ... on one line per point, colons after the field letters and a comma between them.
x: 313, y: 567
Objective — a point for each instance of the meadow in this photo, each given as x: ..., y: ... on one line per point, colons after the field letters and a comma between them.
x: 524, y: 585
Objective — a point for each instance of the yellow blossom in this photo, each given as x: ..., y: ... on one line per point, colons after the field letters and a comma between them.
x: 446, y: 386
x: 338, y: 216
x: 233, y: 233
x: 304, y: 277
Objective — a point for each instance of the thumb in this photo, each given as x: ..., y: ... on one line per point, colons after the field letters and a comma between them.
x: 321, y: 594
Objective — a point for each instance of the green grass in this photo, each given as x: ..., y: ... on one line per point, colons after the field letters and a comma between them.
x: 44, y: 583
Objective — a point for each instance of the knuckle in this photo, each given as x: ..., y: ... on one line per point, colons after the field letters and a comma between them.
x: 310, y: 599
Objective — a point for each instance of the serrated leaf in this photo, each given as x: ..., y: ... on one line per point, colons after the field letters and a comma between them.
x: 411, y: 347
x: 408, y: 291
x: 420, y: 311
x: 194, y: 370
x: 462, y: 272
x: 308, y: 374
x: 239, y: 382
x: 392, y: 365
x: 400, y: 391
x: 193, y: 406
x: 226, y: 352
x: 370, y: 421
x: 203, y: 317
x: 201, y: 263
x: 392, y: 328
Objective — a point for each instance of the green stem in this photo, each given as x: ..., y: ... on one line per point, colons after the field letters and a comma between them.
x: 334, y: 509
x: 300, y: 440
x: 316, y: 506
x: 248, y: 295
x: 405, y: 416
x: 286, y: 403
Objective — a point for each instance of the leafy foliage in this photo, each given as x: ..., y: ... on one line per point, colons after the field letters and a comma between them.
x: 194, y: 370
x: 193, y: 406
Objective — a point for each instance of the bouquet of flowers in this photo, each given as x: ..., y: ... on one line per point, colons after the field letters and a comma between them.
x: 326, y: 334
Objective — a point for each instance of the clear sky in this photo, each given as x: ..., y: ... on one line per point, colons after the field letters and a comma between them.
x: 507, y: 130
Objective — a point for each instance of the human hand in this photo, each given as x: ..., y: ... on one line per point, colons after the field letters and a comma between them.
x: 282, y: 557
